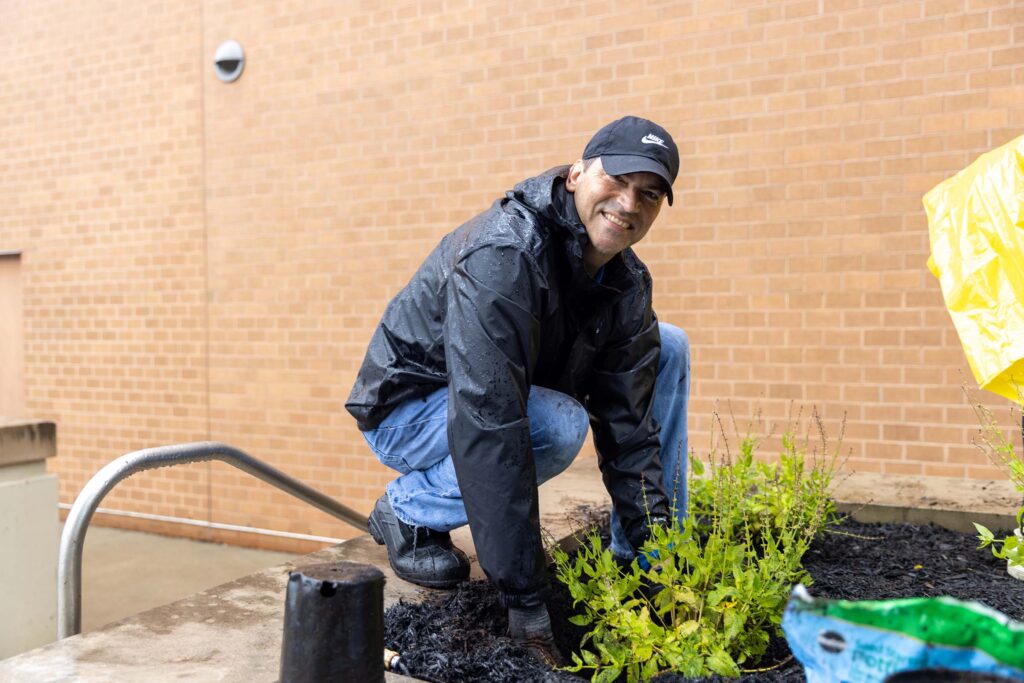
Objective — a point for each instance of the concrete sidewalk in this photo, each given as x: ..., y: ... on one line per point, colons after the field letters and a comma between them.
x: 127, y: 572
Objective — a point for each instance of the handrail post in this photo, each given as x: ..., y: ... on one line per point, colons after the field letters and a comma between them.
x: 72, y: 539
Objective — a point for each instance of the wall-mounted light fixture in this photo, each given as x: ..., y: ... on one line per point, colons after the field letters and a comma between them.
x: 228, y: 61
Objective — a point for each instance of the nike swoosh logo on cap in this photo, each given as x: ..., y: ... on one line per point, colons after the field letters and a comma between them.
x: 653, y: 140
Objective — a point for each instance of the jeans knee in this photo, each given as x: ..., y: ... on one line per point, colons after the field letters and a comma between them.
x: 567, y: 439
x: 561, y: 429
x: 675, y: 348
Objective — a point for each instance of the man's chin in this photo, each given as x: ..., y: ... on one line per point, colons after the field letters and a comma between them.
x: 611, y: 247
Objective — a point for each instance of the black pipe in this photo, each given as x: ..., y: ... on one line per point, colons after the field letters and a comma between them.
x: 334, y: 624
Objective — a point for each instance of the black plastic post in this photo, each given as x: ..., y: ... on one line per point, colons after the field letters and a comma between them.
x: 334, y: 624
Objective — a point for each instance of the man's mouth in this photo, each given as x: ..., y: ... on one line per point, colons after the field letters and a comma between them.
x: 615, y: 220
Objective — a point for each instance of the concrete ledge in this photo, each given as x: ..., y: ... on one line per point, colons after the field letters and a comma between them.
x: 26, y: 441
x: 951, y: 503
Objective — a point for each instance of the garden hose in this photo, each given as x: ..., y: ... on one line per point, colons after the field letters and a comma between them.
x: 393, y: 663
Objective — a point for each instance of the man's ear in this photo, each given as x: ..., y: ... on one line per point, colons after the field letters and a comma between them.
x: 573, y: 179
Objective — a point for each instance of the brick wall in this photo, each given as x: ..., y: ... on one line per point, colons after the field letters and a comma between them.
x: 101, y: 187
x: 207, y: 261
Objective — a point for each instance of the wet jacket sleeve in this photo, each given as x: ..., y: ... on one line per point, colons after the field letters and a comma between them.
x: 625, y: 432
x: 491, y: 338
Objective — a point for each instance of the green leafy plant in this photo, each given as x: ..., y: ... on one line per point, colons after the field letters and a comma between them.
x: 719, y: 581
x: 993, y: 442
x: 754, y: 493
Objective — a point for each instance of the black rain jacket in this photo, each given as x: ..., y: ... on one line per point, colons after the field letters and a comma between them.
x: 501, y: 304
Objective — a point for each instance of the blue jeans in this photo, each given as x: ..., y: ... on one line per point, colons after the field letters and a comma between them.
x: 413, y: 440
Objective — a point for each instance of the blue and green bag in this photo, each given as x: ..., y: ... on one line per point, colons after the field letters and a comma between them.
x: 900, y: 641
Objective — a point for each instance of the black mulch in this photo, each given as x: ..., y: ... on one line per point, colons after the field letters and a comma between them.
x: 459, y: 637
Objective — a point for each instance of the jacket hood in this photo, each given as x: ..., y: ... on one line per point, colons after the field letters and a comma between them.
x: 545, y: 195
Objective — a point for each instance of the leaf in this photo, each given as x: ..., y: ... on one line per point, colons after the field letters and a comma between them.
x: 650, y: 669
x: 721, y: 663
x: 696, y: 466
x: 687, y: 627
x: 734, y: 621
x: 616, y: 651
x: 581, y: 619
x: 683, y: 595
x: 607, y: 675
x: 717, y: 595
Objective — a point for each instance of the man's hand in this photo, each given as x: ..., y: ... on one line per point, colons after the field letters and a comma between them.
x: 649, y: 561
x: 531, y: 627
x: 652, y: 559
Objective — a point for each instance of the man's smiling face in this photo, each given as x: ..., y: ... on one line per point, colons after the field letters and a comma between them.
x: 617, y: 211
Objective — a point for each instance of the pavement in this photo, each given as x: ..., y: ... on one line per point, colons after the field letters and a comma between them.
x: 127, y: 572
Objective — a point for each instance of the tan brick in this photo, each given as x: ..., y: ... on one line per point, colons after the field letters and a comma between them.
x: 902, y: 468
x: 952, y: 471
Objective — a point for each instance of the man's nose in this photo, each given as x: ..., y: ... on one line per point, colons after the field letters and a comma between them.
x: 629, y: 198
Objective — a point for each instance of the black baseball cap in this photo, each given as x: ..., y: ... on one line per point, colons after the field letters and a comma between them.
x: 632, y: 144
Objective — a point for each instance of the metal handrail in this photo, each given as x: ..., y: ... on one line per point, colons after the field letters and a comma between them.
x: 72, y: 539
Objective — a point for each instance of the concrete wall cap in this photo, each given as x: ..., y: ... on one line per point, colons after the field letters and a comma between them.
x: 23, y: 440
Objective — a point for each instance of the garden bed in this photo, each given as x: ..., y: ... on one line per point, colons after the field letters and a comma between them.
x: 460, y: 636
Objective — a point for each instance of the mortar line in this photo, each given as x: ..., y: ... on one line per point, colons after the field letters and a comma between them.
x: 206, y: 249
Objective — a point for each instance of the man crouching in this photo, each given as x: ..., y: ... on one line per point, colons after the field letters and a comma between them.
x: 523, y: 326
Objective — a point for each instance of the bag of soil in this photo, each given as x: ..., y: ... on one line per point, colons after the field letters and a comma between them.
x: 912, y: 639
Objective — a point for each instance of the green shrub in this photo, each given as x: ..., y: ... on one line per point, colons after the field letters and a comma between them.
x: 1000, y: 451
x: 720, y: 580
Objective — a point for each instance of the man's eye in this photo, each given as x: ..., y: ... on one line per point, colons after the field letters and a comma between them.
x: 652, y: 196
x: 617, y: 179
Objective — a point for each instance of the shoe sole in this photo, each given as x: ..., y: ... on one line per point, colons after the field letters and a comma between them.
x: 377, y: 534
x: 375, y: 531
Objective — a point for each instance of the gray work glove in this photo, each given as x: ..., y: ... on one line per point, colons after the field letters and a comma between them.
x: 531, y: 627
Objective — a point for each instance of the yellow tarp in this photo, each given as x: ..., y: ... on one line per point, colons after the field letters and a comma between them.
x: 976, y: 226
